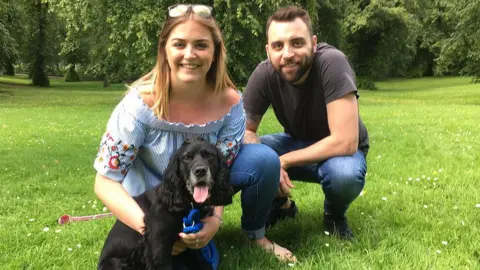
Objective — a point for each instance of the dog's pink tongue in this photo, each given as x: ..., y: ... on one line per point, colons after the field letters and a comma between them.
x: 200, y: 194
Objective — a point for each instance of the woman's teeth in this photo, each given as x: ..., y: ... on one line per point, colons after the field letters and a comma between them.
x: 189, y: 66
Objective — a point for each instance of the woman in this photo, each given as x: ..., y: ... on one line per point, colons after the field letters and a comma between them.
x: 187, y: 93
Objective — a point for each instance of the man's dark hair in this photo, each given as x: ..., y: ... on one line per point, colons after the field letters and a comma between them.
x: 289, y: 14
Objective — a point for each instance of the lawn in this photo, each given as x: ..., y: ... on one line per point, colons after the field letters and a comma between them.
x: 420, y: 208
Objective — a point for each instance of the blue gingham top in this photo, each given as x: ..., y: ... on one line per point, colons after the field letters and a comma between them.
x: 136, y: 146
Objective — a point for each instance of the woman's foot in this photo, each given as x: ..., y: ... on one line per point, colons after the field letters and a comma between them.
x: 281, y: 253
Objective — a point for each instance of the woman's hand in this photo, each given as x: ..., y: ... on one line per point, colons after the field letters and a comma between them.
x: 178, y: 247
x: 202, y: 238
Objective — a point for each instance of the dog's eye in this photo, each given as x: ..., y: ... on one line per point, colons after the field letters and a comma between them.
x: 187, y: 158
x: 207, y: 155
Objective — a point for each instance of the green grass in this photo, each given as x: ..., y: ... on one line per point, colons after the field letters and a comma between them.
x: 424, y: 161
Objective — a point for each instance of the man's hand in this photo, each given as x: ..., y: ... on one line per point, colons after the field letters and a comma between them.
x: 285, y: 184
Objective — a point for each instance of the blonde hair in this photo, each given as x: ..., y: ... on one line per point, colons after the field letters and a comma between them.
x: 159, y: 76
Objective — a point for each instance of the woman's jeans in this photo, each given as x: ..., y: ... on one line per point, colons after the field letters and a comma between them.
x: 256, y: 171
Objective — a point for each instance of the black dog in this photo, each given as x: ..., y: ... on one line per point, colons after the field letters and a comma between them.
x: 196, y: 175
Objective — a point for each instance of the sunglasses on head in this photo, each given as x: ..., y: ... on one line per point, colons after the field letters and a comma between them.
x: 182, y: 9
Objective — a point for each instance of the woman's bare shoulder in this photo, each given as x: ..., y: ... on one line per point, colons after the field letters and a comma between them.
x: 147, y: 95
x: 148, y: 99
x: 231, y: 97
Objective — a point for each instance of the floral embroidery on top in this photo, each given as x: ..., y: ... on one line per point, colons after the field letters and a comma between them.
x: 229, y: 147
x: 115, y: 154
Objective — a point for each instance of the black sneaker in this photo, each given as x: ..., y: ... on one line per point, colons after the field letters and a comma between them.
x: 338, y: 227
x: 276, y: 214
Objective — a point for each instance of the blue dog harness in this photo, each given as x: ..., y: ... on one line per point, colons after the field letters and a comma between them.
x: 192, y: 224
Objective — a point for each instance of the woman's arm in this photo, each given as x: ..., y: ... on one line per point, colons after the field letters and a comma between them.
x: 117, y: 200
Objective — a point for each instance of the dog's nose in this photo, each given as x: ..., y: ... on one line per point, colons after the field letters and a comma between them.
x: 200, y: 171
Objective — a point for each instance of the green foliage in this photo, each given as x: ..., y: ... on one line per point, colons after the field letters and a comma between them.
x: 113, y: 39
x: 117, y: 40
x: 366, y: 83
x: 462, y: 47
x: 328, y: 23
x: 10, y: 37
x: 8, y: 46
x: 380, y: 38
x: 243, y: 28
x: 436, y: 25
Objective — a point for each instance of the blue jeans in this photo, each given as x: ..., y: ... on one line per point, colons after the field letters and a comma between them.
x: 256, y: 172
x: 342, y: 178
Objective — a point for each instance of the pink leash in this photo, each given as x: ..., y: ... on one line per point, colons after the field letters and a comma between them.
x: 68, y: 219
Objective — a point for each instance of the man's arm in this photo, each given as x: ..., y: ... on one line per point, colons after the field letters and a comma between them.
x: 253, y: 121
x: 343, y: 139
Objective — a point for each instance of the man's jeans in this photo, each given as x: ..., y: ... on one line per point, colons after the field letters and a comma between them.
x: 256, y: 172
x: 342, y: 178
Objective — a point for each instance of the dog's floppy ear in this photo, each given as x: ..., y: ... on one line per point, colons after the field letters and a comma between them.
x: 172, y: 191
x: 222, y: 190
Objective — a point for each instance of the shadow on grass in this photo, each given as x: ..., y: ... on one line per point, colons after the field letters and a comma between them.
x: 59, y: 84
x: 6, y: 93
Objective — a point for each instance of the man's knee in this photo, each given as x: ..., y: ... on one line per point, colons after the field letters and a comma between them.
x: 351, y: 180
x: 345, y: 178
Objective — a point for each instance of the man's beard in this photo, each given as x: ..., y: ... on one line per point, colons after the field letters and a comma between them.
x: 304, y: 68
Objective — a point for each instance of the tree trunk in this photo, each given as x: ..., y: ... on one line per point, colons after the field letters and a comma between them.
x: 106, y: 80
x: 72, y: 75
x: 39, y: 78
x: 9, y: 68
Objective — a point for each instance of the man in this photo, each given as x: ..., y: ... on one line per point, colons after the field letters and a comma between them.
x: 311, y: 88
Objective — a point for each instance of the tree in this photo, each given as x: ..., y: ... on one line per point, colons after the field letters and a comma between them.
x: 8, y: 49
x: 436, y: 25
x: 462, y: 47
x: 38, y: 43
x: 10, y: 35
x: 327, y: 25
x: 75, y: 46
x: 121, y: 36
x: 243, y: 29
x: 379, y: 38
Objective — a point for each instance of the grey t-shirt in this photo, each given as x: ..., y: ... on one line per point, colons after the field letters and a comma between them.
x: 301, y: 109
